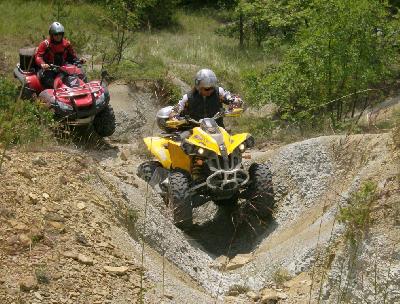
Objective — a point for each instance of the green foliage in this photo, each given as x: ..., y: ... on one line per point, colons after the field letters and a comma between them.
x: 356, y: 215
x: 60, y: 10
x: 168, y: 93
x: 396, y: 130
x: 123, y: 16
x: 157, y: 13
x: 346, y: 47
x: 21, y: 122
x: 260, y: 127
x: 209, y: 3
x: 258, y: 20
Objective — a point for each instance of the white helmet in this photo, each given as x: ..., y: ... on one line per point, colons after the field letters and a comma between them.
x: 162, y: 117
x: 205, y: 78
x: 56, y: 28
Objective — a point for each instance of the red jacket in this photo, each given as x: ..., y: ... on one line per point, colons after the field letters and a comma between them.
x: 51, y: 53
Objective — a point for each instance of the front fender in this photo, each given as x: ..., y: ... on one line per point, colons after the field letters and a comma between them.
x: 158, y: 147
x: 236, y: 140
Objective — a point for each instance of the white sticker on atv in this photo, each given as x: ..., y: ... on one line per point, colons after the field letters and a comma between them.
x: 161, y: 154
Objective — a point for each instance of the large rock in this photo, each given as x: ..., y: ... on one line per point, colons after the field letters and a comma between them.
x: 272, y: 296
x: 238, y: 261
x: 39, y: 161
x: 29, y: 283
x: 220, y: 262
x: 79, y: 257
x: 116, y: 270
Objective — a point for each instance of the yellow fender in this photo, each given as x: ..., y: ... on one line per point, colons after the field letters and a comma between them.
x: 201, y: 139
x: 158, y: 147
x: 235, y: 141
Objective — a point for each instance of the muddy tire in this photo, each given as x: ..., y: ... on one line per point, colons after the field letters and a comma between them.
x: 145, y: 170
x: 104, y: 122
x: 260, y: 192
x: 179, y: 201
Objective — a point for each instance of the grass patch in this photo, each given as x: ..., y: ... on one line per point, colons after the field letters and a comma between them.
x: 357, y: 214
x: 42, y: 275
x: 21, y: 122
x: 236, y: 290
x: 194, y: 44
x: 396, y: 129
x: 280, y: 276
x: 26, y: 23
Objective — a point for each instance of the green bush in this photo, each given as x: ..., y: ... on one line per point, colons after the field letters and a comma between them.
x: 260, y: 127
x: 21, y: 121
x: 345, y: 49
x: 356, y: 215
x: 158, y: 13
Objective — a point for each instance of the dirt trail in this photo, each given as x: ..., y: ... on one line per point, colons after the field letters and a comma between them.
x: 311, y: 180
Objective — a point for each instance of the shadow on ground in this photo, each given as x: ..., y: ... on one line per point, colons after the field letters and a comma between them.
x: 83, y: 137
x: 232, y: 231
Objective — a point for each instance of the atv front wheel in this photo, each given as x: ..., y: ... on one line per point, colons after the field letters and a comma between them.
x: 260, y: 192
x: 104, y: 122
x: 228, y: 202
x: 179, y: 200
x: 146, y: 170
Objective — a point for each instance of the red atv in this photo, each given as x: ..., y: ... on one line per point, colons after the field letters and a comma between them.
x: 72, y: 99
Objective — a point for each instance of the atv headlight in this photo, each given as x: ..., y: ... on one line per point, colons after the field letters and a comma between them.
x: 100, y: 99
x: 200, y: 151
x: 64, y: 106
x: 242, y: 147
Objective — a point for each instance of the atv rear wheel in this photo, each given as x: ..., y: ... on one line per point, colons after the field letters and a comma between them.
x: 260, y: 191
x: 179, y: 200
x: 104, y: 122
x: 146, y: 170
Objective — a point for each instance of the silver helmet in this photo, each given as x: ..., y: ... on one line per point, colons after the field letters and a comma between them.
x: 162, y: 117
x: 205, y: 78
x: 56, y: 28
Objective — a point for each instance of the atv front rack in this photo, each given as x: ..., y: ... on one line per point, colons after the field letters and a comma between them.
x: 88, y: 88
x: 227, y: 179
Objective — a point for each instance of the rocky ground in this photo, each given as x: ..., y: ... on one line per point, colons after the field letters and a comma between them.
x: 57, y: 241
x: 77, y: 226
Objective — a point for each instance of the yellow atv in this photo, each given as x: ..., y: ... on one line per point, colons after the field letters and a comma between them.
x: 202, y: 164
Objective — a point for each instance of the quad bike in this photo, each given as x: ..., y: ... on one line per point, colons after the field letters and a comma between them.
x: 73, y: 99
x: 205, y: 166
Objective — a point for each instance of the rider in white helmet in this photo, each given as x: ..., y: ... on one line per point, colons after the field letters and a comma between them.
x: 205, y: 99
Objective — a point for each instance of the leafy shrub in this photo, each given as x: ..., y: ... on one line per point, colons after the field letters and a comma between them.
x: 21, y: 122
x: 259, y: 127
x: 158, y: 13
x: 168, y: 93
x: 345, y: 49
x: 281, y: 276
x: 356, y: 215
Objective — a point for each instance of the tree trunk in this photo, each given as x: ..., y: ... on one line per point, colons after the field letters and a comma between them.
x: 241, y: 30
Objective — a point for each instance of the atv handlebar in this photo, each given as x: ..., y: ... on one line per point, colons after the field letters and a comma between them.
x: 56, y: 68
x: 175, y: 123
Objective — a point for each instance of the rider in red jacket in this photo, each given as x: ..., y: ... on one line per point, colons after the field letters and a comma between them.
x: 55, y: 50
